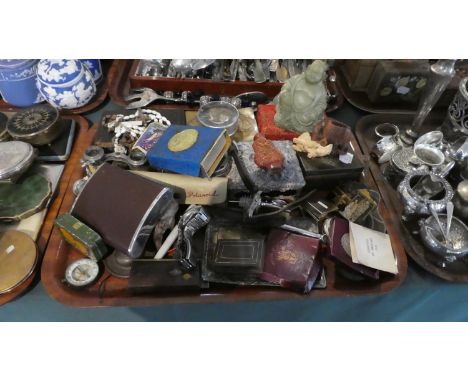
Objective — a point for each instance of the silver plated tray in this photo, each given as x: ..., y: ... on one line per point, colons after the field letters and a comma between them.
x: 455, y: 271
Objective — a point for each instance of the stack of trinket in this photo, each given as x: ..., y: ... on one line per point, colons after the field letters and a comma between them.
x: 218, y: 207
x: 27, y: 185
x: 31, y: 137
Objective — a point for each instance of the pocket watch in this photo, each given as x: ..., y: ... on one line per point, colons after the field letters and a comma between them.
x: 82, y: 273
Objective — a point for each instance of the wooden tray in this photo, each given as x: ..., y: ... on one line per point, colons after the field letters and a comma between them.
x: 59, y: 254
x: 361, y: 100
x: 82, y: 126
x: 121, y: 80
x: 98, y: 99
x: 457, y: 271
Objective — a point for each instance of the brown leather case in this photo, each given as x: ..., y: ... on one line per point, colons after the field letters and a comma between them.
x: 122, y: 207
x: 291, y: 260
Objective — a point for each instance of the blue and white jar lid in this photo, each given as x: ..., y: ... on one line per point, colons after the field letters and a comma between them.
x: 94, y: 66
x: 76, y: 94
x: 59, y: 72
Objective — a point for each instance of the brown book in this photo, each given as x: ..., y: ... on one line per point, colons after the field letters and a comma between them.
x: 291, y: 260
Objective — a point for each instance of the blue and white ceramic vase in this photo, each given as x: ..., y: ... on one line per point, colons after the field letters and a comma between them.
x: 65, y: 84
x: 18, y: 82
x: 94, y: 67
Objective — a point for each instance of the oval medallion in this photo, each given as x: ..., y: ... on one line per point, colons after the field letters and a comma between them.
x: 183, y: 140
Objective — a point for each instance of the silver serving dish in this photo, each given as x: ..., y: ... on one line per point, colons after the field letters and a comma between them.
x: 15, y: 159
x: 219, y: 115
x: 434, y: 239
x: 419, y: 201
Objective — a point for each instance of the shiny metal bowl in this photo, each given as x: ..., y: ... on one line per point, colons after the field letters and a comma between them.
x: 219, y: 115
x: 432, y: 138
x: 429, y: 155
x: 434, y: 240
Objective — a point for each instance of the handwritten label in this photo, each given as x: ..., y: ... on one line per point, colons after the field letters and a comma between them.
x: 196, y: 194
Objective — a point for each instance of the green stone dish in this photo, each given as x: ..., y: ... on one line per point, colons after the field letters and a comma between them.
x: 24, y: 198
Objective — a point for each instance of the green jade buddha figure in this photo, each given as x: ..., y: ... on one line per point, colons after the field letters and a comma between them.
x: 303, y: 99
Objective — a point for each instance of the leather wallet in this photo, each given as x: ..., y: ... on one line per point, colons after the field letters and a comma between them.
x: 291, y: 260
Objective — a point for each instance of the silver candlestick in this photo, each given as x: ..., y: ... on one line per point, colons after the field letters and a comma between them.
x: 441, y: 73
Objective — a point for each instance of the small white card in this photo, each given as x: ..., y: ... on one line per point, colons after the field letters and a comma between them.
x: 372, y: 248
x: 346, y: 158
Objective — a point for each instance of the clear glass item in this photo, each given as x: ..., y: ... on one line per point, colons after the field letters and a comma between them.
x: 441, y: 73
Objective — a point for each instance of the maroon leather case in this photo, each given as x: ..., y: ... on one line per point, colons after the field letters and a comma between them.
x: 339, y: 228
x: 291, y: 260
x: 122, y: 207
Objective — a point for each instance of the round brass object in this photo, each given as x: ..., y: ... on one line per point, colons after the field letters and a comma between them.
x: 37, y: 125
x: 183, y: 140
x: 18, y: 257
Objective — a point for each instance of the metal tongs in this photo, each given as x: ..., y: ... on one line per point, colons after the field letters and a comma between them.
x: 142, y: 97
